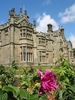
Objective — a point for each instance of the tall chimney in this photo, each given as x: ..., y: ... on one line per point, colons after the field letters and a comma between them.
x: 62, y: 33
x: 49, y: 27
x: 34, y: 24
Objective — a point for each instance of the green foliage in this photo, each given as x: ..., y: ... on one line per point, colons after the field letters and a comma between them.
x: 7, y: 75
x: 15, y: 93
x: 2, y: 69
x: 65, y: 79
x: 18, y: 93
x: 70, y: 93
x: 14, y: 65
x: 65, y: 72
x: 10, y: 88
x: 66, y: 94
x: 29, y: 79
x: 3, y: 95
x: 29, y: 82
x: 74, y: 52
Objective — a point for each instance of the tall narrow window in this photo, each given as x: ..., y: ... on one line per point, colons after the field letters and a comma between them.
x: 39, y: 40
x: 24, y: 53
x: 40, y: 56
x: 47, y: 55
x: 21, y: 53
x: 21, y: 33
x: 31, y: 56
x: 71, y: 53
x: 27, y: 56
x: 24, y: 33
x: 46, y: 42
x: 43, y: 59
x: 21, y: 56
x: 0, y: 35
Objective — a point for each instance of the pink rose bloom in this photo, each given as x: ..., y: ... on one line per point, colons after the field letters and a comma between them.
x: 48, y: 82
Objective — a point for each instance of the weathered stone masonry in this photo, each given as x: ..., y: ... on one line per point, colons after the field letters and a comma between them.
x: 20, y: 41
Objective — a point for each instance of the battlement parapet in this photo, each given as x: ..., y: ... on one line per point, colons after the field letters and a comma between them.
x: 4, y: 25
x: 41, y: 34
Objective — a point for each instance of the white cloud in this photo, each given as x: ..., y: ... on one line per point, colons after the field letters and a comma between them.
x: 68, y: 15
x: 46, y: 2
x: 72, y: 39
x: 43, y: 21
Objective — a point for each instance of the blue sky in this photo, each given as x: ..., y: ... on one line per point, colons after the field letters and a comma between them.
x: 57, y: 12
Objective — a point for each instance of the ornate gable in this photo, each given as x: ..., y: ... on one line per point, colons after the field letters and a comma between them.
x: 23, y: 22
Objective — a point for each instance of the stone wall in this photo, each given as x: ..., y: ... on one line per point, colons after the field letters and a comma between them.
x: 20, y: 41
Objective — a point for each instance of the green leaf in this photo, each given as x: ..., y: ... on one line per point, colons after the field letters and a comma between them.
x: 43, y: 97
x: 3, y: 96
x: 34, y: 97
x: 14, y: 90
x: 72, y: 88
x: 61, y: 94
x: 23, y: 94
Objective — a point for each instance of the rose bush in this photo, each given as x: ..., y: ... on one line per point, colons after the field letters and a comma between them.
x: 51, y: 86
x: 48, y: 82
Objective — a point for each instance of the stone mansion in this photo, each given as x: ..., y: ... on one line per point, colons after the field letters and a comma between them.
x: 20, y: 41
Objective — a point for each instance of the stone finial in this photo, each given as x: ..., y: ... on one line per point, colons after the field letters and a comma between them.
x: 20, y: 11
x: 12, y: 12
x: 25, y: 12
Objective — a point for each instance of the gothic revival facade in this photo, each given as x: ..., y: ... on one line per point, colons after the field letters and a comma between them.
x: 20, y: 41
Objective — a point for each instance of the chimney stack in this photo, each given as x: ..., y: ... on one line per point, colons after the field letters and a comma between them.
x: 34, y: 25
x: 49, y: 27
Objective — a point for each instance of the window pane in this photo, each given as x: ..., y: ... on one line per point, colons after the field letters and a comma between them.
x: 24, y: 35
x: 24, y: 54
x: 40, y: 55
x: 31, y: 56
x: 24, y: 48
x: 21, y: 56
x: 27, y: 56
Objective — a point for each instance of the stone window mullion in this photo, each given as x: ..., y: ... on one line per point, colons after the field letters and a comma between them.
x: 32, y: 56
x: 26, y: 53
x: 40, y: 56
x: 22, y: 33
x: 22, y: 53
x: 0, y: 35
x: 29, y: 56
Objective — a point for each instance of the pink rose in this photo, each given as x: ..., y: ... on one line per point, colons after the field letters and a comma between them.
x: 48, y: 82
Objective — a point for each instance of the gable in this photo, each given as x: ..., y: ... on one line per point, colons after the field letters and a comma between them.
x: 23, y: 21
